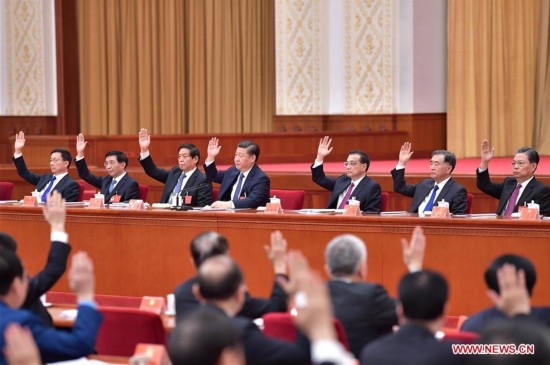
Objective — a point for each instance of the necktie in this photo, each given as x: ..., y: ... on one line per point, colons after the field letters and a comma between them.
x: 177, y: 189
x: 46, y: 192
x: 512, y: 201
x: 237, y: 192
x: 346, y: 197
x: 430, y: 204
x: 113, y: 183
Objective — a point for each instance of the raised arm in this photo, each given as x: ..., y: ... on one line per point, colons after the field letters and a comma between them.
x: 324, y: 148
x: 487, y: 154
x: 19, y: 142
x: 144, y: 139
x: 213, y: 149
x: 405, y: 153
x: 80, y: 146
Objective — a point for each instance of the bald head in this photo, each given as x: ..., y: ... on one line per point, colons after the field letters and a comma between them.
x: 219, y: 278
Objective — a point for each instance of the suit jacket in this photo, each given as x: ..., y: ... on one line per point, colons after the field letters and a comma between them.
x: 197, y: 186
x: 252, y: 308
x: 368, y: 191
x: 67, y: 187
x: 127, y: 187
x: 254, y: 192
x: 453, y: 193
x: 45, y: 279
x: 55, y: 345
x: 477, y: 322
x: 411, y: 345
x: 365, y: 310
x: 534, y: 191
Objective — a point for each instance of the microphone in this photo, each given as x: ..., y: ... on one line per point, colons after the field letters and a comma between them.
x: 180, y: 200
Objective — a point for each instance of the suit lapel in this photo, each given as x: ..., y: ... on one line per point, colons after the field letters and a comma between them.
x: 249, y: 178
x: 44, y: 182
x: 445, y: 190
x: 232, y: 175
x: 526, y: 194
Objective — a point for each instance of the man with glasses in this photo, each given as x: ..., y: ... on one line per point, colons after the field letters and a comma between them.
x: 184, y: 179
x: 429, y: 192
x: 118, y: 186
x: 515, y: 191
x: 353, y: 184
x: 58, y: 179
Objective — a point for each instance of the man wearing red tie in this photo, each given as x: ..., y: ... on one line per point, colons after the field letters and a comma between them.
x: 518, y: 190
x: 353, y: 184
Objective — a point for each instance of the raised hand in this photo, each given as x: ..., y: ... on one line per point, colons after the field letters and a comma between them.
x: 324, y: 148
x: 413, y: 251
x: 81, y: 276
x: 405, y: 153
x: 19, y: 142
x: 514, y: 297
x: 277, y: 252
x: 213, y: 149
x: 144, y: 140
x: 55, y: 212
x: 487, y: 154
x: 80, y: 145
x: 20, y: 348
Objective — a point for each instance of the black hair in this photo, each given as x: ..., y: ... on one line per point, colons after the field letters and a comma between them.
x: 520, y: 263
x: 120, y: 157
x: 65, y: 155
x: 251, y: 148
x: 10, y: 268
x: 449, y: 157
x: 423, y: 295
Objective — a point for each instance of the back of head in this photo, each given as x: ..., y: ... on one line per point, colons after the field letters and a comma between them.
x: 520, y: 262
x: 423, y: 295
x: 219, y: 278
x: 10, y: 268
x: 201, y: 337
x: 251, y: 147
x: 7, y: 242
x: 207, y: 244
x: 345, y: 254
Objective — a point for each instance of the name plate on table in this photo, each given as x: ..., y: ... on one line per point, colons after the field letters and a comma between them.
x: 30, y: 201
x: 273, y: 208
x: 136, y: 204
x: 96, y: 203
x: 528, y: 214
x: 155, y: 354
x: 440, y: 212
x: 155, y: 305
x: 351, y: 210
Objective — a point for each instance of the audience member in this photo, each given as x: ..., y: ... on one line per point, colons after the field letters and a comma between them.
x: 119, y: 186
x: 353, y: 184
x: 209, y: 244
x: 440, y: 187
x: 515, y: 191
x: 58, y: 180
x: 184, y: 179
x: 243, y: 185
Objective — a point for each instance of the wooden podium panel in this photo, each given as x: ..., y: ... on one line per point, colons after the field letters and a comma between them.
x: 147, y: 252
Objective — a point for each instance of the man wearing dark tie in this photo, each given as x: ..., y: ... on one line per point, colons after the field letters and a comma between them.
x: 440, y: 187
x: 515, y: 191
x: 184, y: 179
x: 58, y: 180
x: 118, y: 186
x: 243, y: 185
x: 353, y: 184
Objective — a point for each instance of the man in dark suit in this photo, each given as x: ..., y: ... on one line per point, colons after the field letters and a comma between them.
x: 243, y: 185
x: 478, y: 321
x: 421, y: 311
x: 221, y: 286
x: 118, y: 186
x: 58, y: 180
x: 515, y: 191
x: 353, y: 184
x: 440, y: 187
x: 53, y: 345
x: 209, y: 244
x: 185, y: 179
x: 365, y: 309
x: 40, y: 283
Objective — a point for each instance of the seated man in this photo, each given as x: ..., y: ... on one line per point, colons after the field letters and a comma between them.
x: 421, y: 311
x: 58, y: 180
x: 118, y: 186
x: 355, y: 183
x: 243, y: 185
x: 429, y: 192
x: 54, y: 345
x: 364, y: 309
x: 478, y: 321
x: 221, y: 286
x: 184, y: 179
x: 40, y: 283
x: 209, y: 244
x: 515, y: 191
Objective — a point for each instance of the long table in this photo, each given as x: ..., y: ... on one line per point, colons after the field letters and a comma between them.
x: 147, y: 252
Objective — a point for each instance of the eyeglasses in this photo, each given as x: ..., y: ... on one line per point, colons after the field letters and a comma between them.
x: 351, y: 163
x: 519, y: 163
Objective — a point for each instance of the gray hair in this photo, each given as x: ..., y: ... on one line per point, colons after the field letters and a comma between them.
x: 345, y: 254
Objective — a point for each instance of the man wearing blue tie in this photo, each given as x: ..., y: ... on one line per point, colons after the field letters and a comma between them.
x: 243, y: 185
x: 185, y: 179
x: 439, y: 187
x: 58, y: 180
x: 118, y: 186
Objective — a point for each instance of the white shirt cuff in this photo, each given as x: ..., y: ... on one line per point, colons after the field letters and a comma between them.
x: 17, y: 155
x: 59, y: 236
x: 208, y: 163
x: 144, y: 155
x: 480, y: 170
x: 317, y: 163
x: 79, y: 158
x: 399, y: 167
x: 330, y: 351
